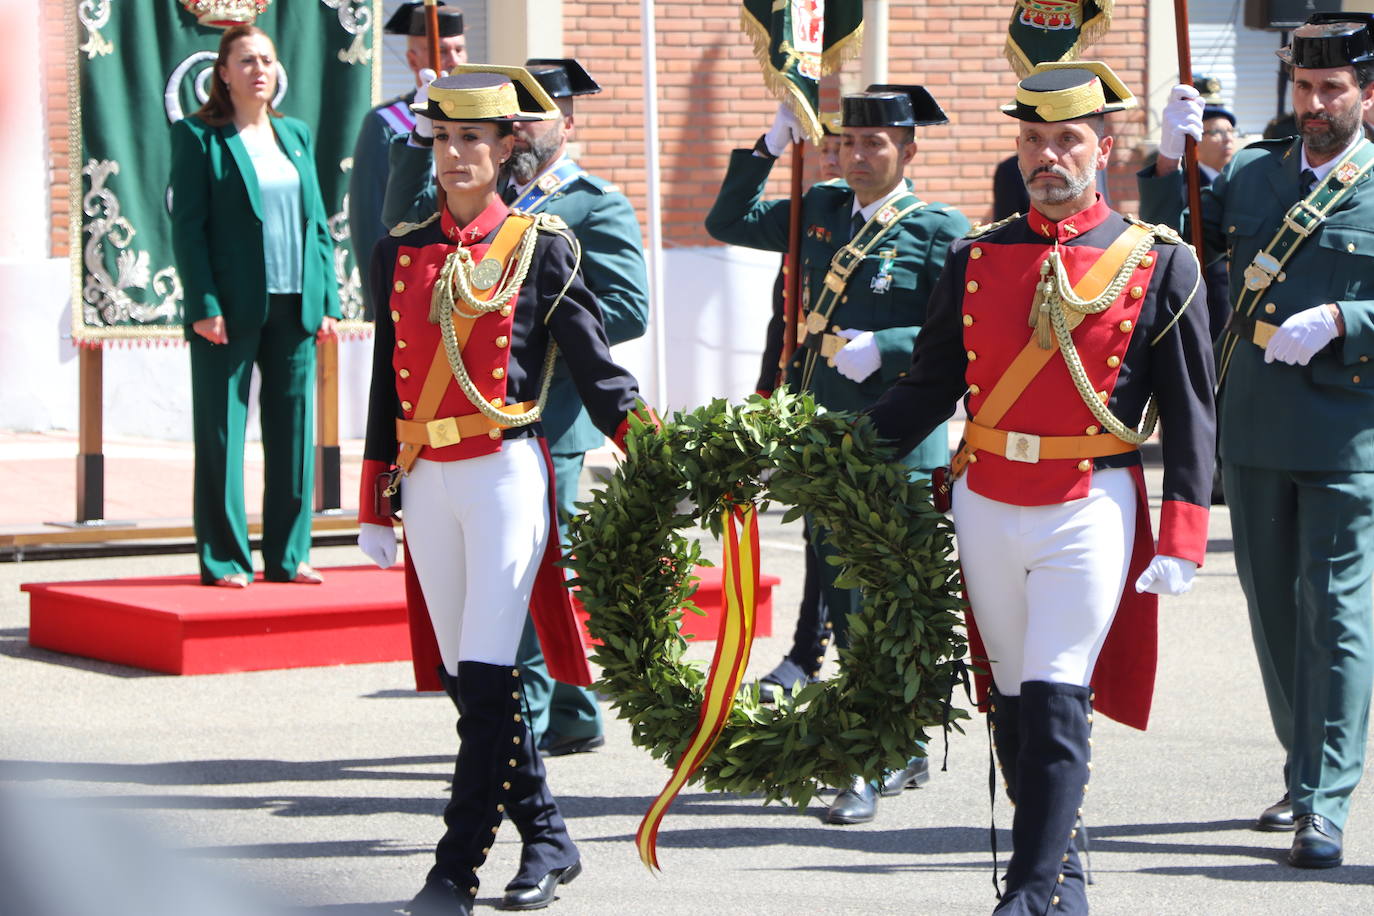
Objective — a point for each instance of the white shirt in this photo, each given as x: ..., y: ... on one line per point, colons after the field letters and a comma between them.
x: 867, y: 212
x: 1321, y: 171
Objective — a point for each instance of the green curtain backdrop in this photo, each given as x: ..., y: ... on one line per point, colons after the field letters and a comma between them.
x: 140, y: 65
x: 799, y: 41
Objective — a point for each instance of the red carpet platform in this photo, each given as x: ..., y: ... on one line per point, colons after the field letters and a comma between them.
x: 176, y: 625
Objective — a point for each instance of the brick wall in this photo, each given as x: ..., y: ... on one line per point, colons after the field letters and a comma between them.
x: 712, y: 98
x: 57, y: 118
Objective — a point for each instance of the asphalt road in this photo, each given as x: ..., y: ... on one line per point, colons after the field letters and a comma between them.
x: 321, y: 789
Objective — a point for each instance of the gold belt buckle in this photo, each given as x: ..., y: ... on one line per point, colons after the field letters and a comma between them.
x: 1023, y: 447
x: 443, y: 432
x: 832, y: 344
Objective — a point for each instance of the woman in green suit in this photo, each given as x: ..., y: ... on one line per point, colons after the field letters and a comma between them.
x: 256, y: 261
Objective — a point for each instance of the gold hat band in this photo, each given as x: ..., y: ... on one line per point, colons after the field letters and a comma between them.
x: 476, y: 104
x: 1064, y: 104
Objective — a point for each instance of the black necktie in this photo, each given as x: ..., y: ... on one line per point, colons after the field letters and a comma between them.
x: 508, y: 194
x: 1307, y: 179
x: 855, y: 224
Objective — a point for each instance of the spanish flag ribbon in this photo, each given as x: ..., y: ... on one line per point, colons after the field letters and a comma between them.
x: 740, y: 579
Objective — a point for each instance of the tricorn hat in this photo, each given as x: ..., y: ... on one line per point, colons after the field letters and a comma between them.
x: 562, y: 77
x: 891, y: 105
x: 1328, y: 40
x: 484, y: 92
x: 409, y: 19
x: 1068, y: 90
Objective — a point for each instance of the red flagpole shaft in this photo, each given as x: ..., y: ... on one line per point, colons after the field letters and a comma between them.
x: 791, y: 300
x: 432, y: 33
x: 1190, y: 170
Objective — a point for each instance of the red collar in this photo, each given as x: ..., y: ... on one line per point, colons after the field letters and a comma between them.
x: 486, y: 223
x: 1071, y: 226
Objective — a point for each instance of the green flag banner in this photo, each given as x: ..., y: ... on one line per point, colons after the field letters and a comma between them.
x: 137, y: 67
x: 799, y: 41
x: 1054, y: 30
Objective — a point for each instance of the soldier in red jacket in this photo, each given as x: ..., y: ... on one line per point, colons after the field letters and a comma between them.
x: 1062, y: 329
x: 477, y: 301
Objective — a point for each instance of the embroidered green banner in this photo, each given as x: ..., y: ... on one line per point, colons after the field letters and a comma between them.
x: 1054, y: 30
x: 799, y: 41
x: 137, y: 67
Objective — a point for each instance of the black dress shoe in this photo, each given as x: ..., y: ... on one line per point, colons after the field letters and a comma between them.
x: 1317, y: 843
x: 1278, y: 817
x: 780, y: 682
x: 558, y: 746
x: 855, y: 805
x: 542, y: 893
x: 915, y: 774
x: 441, y: 897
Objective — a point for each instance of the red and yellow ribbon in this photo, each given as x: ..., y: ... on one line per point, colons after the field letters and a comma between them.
x: 740, y: 581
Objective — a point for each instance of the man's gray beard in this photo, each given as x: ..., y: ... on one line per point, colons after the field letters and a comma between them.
x: 1336, y: 137
x: 1070, y: 191
x: 527, y: 163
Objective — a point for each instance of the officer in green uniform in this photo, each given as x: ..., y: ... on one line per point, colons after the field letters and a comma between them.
x: 1296, y: 219
x: 543, y: 178
x: 870, y: 254
x: 367, y: 180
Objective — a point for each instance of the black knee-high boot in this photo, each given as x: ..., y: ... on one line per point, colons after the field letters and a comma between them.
x: 492, y: 736
x: 1051, y: 775
x: 546, y: 845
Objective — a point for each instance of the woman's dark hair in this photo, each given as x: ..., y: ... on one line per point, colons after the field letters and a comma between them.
x: 219, y: 108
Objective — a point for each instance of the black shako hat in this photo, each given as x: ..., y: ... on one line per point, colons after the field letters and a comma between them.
x: 891, y: 105
x: 489, y: 94
x: 1066, y: 91
x: 1329, y: 40
x: 1209, y: 89
x: 409, y: 19
x: 562, y: 77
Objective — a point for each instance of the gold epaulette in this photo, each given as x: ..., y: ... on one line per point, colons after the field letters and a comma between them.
x: 1165, y: 234
x: 985, y: 228
x: 551, y: 222
x: 405, y: 228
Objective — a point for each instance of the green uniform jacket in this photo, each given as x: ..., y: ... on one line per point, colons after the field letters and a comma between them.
x: 612, y: 266
x: 740, y: 216
x: 367, y: 182
x: 1318, y: 417
x: 217, y: 226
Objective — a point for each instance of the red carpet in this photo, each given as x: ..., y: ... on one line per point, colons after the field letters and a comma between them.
x: 175, y: 624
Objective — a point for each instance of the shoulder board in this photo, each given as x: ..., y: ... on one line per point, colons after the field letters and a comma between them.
x: 550, y: 222
x: 984, y: 228
x: 406, y: 228
x: 834, y: 186
x: 1162, y: 232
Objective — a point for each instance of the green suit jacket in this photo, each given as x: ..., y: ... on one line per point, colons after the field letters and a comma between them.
x: 1318, y: 417
x: 916, y: 251
x: 612, y: 265
x: 217, y: 227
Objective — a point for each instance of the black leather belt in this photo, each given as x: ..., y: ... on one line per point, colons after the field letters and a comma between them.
x: 1247, y: 327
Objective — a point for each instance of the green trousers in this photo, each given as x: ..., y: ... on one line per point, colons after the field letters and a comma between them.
x: 557, y: 709
x: 1304, y: 545
x: 220, y: 376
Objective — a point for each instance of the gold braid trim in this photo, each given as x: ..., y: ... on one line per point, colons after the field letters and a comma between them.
x: 401, y: 229
x: 455, y: 277
x: 984, y: 228
x: 1059, y: 299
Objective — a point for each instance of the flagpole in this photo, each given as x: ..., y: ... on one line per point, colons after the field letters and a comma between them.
x: 1190, y: 170
x: 432, y: 34
x: 658, y: 320
x: 791, y: 300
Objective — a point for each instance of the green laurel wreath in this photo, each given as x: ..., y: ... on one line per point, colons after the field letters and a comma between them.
x: 633, y: 567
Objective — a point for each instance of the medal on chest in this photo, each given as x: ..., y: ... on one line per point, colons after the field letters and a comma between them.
x: 883, y: 281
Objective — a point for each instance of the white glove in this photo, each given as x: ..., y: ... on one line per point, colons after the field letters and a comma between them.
x: 1300, y: 337
x: 860, y: 357
x: 424, y: 127
x: 379, y: 543
x: 1167, y: 576
x: 1181, y: 118
x: 784, y: 130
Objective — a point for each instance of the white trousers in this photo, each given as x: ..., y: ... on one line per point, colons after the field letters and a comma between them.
x: 476, y: 531
x: 1044, y: 581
